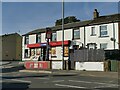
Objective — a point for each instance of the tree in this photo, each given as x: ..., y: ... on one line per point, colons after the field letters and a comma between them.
x: 67, y: 20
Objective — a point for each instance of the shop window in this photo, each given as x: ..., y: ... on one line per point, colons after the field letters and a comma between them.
x: 54, y: 36
x: 38, y: 51
x: 77, y: 34
x: 53, y: 52
x: 66, y: 51
x: 103, y: 31
x: 38, y: 38
x: 26, y: 39
x: 26, y: 53
x: 32, y: 52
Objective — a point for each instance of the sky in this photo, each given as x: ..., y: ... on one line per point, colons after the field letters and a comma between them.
x: 23, y: 17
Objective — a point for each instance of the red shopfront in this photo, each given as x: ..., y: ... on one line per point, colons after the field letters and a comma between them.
x: 40, y: 48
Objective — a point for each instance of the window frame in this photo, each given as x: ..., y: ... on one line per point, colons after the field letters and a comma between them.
x: 25, y: 53
x: 66, y: 51
x: 37, y: 38
x: 78, y: 37
x: 27, y: 38
x: 103, y: 30
x: 54, y: 33
x: 51, y: 52
x: 93, y: 33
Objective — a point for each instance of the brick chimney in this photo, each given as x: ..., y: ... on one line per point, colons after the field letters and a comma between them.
x: 95, y: 14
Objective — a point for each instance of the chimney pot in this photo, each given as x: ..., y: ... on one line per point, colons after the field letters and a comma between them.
x: 95, y: 14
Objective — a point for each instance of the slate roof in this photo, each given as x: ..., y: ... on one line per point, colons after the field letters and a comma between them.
x: 99, y: 20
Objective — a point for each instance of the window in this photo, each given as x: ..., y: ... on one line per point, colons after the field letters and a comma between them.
x: 54, y: 36
x: 103, y: 46
x: 38, y: 51
x: 103, y: 31
x: 53, y: 51
x: 93, y: 31
x: 38, y: 38
x: 32, y: 52
x: 26, y: 53
x: 77, y: 34
x: 26, y: 39
x: 66, y: 51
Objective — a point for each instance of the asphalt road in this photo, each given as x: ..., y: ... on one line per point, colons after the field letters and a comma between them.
x: 25, y: 81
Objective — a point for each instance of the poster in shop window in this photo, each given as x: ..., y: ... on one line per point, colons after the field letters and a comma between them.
x: 65, y: 51
x: 38, y: 51
x: 32, y: 52
x: 53, y: 51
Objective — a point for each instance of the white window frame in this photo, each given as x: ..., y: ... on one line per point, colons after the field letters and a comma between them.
x: 93, y: 33
x: 38, y: 38
x: 76, y: 30
x: 54, y: 33
x: 103, y: 30
x: 27, y: 39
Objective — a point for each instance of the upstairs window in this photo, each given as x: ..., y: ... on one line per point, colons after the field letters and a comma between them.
x: 103, y: 31
x: 38, y: 38
x: 26, y: 39
x: 77, y: 34
x: 54, y: 36
x: 93, y: 31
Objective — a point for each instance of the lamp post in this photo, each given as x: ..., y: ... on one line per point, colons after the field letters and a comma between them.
x: 63, y: 34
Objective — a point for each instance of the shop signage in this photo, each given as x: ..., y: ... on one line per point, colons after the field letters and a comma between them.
x: 37, y: 65
x: 57, y: 43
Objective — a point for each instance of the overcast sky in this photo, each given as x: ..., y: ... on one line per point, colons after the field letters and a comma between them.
x: 28, y: 16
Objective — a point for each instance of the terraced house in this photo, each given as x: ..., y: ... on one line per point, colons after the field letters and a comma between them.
x: 99, y: 32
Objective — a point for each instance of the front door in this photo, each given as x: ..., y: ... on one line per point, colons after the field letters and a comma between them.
x: 43, y: 53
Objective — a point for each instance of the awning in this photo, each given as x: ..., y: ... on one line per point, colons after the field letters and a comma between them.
x: 36, y: 45
x: 57, y: 43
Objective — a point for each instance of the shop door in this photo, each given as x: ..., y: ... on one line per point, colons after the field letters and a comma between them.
x: 43, y: 53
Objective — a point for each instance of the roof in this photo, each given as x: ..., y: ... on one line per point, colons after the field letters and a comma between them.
x: 106, y: 19
x: 11, y: 34
x: 99, y: 20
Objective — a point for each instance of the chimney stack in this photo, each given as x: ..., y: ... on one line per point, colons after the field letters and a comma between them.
x: 95, y: 14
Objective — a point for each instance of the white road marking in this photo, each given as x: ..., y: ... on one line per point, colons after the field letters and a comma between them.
x: 20, y: 80
x: 92, y: 82
x: 69, y: 86
x: 58, y: 81
x: 104, y: 84
x: 42, y: 78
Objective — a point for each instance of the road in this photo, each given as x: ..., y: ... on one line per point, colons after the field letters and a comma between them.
x: 12, y: 78
x: 35, y: 80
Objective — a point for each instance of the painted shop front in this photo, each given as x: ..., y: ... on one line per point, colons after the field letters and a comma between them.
x: 37, y: 51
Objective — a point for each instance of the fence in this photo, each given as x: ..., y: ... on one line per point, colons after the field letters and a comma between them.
x: 88, y: 55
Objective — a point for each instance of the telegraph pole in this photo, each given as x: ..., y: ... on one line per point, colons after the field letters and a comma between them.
x: 63, y: 34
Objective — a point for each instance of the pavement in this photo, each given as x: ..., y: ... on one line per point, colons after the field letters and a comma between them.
x: 19, y: 67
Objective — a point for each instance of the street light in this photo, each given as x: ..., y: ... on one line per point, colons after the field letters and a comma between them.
x: 63, y: 34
